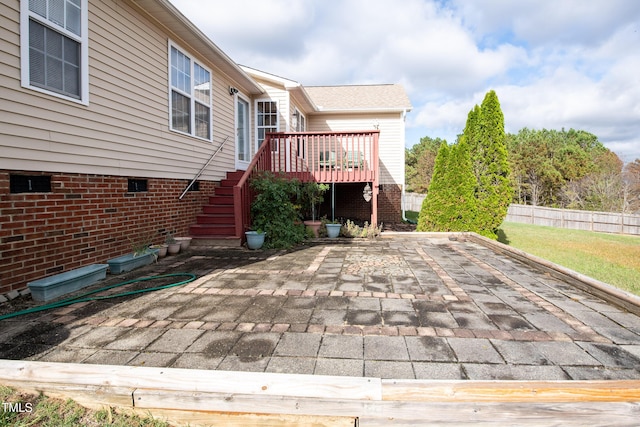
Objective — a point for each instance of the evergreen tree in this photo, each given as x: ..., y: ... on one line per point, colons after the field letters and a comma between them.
x: 432, y: 207
x: 486, y: 138
x: 471, y: 135
x: 460, y: 209
x: 470, y: 189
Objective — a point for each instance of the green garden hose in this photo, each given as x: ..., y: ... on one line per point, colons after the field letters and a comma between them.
x: 85, y: 297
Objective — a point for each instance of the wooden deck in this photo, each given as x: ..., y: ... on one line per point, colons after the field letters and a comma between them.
x: 325, y: 157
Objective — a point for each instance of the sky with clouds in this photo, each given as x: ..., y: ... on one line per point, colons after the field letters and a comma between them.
x: 553, y: 63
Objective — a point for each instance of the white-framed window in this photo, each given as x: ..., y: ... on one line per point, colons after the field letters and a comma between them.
x: 266, y: 119
x: 300, y: 125
x: 299, y: 121
x: 54, y: 48
x: 189, y: 95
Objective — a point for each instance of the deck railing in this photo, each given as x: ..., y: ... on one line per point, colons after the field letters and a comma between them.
x: 311, y: 156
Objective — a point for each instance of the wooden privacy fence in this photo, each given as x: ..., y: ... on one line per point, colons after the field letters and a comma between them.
x: 606, y: 222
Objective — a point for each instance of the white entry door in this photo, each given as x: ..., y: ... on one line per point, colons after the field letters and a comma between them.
x: 243, y: 142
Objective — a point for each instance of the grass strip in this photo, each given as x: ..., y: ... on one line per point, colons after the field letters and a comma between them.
x: 22, y: 409
x: 610, y: 258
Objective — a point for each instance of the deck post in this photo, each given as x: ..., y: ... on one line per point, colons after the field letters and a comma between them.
x: 376, y: 177
x: 374, y: 205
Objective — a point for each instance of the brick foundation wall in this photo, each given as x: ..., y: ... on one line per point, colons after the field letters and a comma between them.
x: 86, y: 219
x: 351, y: 205
x: 390, y: 204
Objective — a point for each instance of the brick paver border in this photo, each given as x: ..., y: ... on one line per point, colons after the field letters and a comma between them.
x: 361, y: 330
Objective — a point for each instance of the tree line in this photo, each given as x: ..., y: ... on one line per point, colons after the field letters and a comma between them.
x: 567, y: 168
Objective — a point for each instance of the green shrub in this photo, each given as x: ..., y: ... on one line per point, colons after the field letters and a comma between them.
x: 310, y: 195
x: 351, y: 229
x: 274, y: 212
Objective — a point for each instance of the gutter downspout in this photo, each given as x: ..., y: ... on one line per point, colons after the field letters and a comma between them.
x: 404, y: 175
x: 404, y: 217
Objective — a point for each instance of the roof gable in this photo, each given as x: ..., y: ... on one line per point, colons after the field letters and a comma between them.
x: 359, y: 97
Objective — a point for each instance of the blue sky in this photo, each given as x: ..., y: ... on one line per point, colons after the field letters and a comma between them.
x: 553, y: 63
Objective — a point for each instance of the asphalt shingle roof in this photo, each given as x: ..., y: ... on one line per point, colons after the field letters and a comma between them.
x: 359, y: 97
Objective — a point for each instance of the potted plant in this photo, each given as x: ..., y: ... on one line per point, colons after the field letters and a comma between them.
x: 142, y: 255
x: 255, y: 239
x: 184, y: 242
x: 312, y: 194
x: 173, y: 246
x: 333, y: 229
x: 162, y: 249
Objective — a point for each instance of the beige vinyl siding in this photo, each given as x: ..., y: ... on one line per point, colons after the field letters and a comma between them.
x: 391, y: 143
x: 224, y: 122
x: 125, y: 128
x: 9, y: 46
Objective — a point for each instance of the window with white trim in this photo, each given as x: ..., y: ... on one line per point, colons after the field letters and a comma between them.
x: 54, y: 48
x: 266, y: 119
x: 299, y: 123
x: 190, y: 95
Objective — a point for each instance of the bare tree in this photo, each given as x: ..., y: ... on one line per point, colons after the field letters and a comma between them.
x: 631, y: 176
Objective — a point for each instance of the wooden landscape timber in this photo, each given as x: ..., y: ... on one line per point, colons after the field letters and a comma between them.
x: 203, y: 397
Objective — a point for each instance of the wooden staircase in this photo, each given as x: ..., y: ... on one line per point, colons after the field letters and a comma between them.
x: 216, y: 225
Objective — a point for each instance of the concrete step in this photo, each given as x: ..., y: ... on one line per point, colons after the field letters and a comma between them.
x: 229, y: 241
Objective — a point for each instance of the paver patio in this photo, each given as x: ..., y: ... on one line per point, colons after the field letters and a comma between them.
x: 403, y: 306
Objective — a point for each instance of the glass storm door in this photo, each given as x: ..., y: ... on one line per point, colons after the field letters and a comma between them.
x: 243, y: 148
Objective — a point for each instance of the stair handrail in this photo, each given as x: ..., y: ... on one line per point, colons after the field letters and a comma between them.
x: 203, y: 168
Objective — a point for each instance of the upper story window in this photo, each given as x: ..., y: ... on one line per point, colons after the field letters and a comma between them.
x: 267, y: 119
x: 298, y: 121
x: 54, y: 48
x: 190, y: 95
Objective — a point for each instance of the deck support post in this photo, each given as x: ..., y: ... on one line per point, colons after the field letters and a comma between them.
x: 374, y: 205
x: 376, y: 178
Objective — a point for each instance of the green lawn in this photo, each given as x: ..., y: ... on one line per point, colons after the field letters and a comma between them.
x: 39, y: 410
x: 411, y: 215
x: 610, y: 258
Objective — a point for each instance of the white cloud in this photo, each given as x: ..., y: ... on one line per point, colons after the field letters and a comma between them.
x: 249, y: 27
x: 548, y: 22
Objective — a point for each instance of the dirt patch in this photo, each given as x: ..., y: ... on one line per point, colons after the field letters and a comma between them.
x: 400, y: 226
